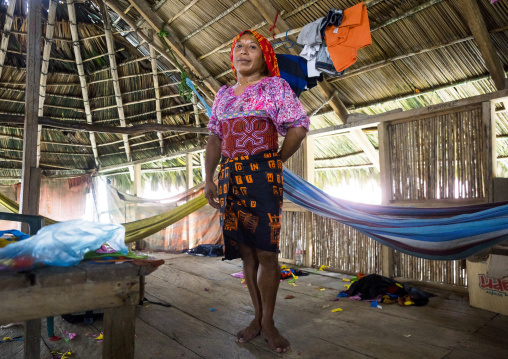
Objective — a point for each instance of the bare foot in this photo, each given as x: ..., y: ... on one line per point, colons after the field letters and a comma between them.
x: 248, y: 333
x: 276, y: 342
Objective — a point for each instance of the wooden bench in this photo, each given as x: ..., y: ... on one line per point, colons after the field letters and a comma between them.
x: 51, y: 291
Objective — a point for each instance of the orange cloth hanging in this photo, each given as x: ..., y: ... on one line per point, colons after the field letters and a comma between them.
x: 352, y: 34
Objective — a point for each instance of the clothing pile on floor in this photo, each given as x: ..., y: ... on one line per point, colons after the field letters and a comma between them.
x: 286, y: 273
x: 206, y: 250
x: 330, y: 46
x: 374, y: 287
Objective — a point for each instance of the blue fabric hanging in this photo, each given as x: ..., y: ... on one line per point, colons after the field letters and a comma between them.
x: 431, y: 233
x: 208, y: 108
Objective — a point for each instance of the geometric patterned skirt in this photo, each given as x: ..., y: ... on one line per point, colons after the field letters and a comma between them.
x: 250, y: 197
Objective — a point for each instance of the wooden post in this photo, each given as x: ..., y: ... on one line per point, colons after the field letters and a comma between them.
x: 138, y: 188
x: 29, y: 198
x: 48, y: 41
x: 32, y: 340
x: 384, y: 163
x: 489, y: 121
x: 190, y: 171
x: 155, y: 76
x: 308, y: 175
x: 189, y: 185
x: 388, y: 263
x: 200, y: 137
x: 31, y: 176
x: 119, y: 330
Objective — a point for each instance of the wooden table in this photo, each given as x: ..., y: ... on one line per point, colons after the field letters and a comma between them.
x: 51, y: 291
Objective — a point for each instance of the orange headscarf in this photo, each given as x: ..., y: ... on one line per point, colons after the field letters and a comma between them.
x: 266, y: 48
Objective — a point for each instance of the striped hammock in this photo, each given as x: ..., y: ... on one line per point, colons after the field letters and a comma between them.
x: 431, y: 233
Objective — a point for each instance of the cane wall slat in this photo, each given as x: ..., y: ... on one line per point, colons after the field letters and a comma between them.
x: 441, y: 157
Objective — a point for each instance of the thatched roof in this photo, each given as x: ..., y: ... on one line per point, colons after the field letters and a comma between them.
x: 422, y: 53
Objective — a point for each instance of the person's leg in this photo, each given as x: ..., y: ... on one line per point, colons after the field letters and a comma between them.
x: 268, y: 284
x: 250, y: 273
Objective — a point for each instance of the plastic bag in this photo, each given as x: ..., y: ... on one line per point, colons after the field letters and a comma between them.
x: 62, y: 244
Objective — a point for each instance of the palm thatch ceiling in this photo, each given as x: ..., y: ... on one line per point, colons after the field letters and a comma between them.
x: 423, y: 53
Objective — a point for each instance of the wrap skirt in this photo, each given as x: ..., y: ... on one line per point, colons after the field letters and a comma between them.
x: 250, y: 196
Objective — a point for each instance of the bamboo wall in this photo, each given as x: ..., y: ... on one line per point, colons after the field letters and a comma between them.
x: 334, y: 244
x: 293, y: 223
x: 439, y: 158
x: 436, y: 158
x: 293, y: 231
x: 343, y: 248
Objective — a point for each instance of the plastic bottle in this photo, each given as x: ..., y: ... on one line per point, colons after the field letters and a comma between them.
x: 299, y: 255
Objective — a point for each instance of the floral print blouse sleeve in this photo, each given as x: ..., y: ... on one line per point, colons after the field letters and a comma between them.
x: 214, y: 125
x: 289, y: 110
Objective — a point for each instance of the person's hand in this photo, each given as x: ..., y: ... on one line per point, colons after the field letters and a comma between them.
x: 211, y: 194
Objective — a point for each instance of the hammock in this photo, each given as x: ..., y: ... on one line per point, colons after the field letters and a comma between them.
x: 431, y: 233
x: 134, y: 231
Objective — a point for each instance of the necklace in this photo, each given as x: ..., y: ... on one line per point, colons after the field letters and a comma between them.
x: 247, y: 82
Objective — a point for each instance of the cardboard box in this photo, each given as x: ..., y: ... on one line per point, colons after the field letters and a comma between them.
x: 487, y: 292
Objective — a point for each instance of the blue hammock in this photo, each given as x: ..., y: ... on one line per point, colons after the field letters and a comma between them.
x: 431, y: 233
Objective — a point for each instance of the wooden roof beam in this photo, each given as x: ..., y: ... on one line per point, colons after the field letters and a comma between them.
x: 213, y: 21
x: 137, y: 103
x: 422, y: 112
x: 81, y: 72
x: 159, y: 46
x: 114, y: 74
x: 128, y: 76
x: 23, y: 33
x: 177, y: 15
x: 152, y: 159
x: 150, y: 141
x: 269, y: 13
x: 153, y: 61
x: 156, y: 23
x: 476, y: 23
x: 45, y: 105
x: 7, y: 32
x: 131, y: 130
x: 48, y: 40
x: 229, y: 42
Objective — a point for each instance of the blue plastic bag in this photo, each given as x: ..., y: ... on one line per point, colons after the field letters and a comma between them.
x: 62, y: 244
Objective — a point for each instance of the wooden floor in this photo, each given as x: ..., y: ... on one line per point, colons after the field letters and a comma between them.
x: 447, y: 327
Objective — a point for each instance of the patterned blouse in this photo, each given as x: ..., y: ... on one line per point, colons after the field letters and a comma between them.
x: 248, y: 124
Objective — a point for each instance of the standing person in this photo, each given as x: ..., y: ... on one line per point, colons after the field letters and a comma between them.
x: 244, y: 126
